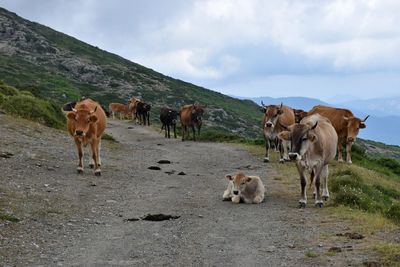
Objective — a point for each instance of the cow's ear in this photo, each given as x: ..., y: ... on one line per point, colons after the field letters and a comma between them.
x: 312, y: 137
x: 362, y: 125
x: 71, y: 115
x: 263, y: 109
x: 248, y: 179
x: 284, y: 135
x: 93, y: 118
x: 229, y: 177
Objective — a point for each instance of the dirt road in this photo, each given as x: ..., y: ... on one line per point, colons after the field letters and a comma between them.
x: 68, y: 219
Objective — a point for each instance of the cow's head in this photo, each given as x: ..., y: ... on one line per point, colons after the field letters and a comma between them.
x: 197, y: 112
x: 353, y: 125
x: 299, y: 114
x: 272, y: 113
x: 82, y: 119
x: 239, y: 181
x: 300, y: 136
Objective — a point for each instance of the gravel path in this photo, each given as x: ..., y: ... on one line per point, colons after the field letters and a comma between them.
x: 82, y: 220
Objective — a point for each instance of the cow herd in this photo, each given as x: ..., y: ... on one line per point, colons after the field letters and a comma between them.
x: 311, y: 139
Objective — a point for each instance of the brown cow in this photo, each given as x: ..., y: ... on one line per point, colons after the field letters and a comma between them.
x: 274, y: 117
x: 86, y: 123
x: 345, y: 124
x: 191, y: 116
x: 299, y: 114
x: 314, y: 142
x: 133, y: 102
x: 122, y: 109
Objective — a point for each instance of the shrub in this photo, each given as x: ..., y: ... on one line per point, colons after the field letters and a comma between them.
x: 7, y: 90
x: 393, y: 212
x: 35, y: 109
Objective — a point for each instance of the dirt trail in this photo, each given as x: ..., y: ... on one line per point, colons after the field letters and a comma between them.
x: 81, y: 220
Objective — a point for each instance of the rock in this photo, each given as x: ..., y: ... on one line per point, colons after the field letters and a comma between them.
x: 156, y: 168
x: 351, y: 235
x: 50, y: 169
x: 335, y: 249
x: 159, y: 217
x: 164, y: 161
x: 6, y: 155
x: 181, y: 173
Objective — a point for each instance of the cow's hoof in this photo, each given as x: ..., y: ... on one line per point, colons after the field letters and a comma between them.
x: 340, y: 160
x: 97, y: 173
x: 313, y: 195
x: 91, y: 165
x: 282, y: 161
x: 349, y: 162
x: 266, y: 159
x: 79, y: 170
x: 319, y: 205
x: 325, y: 198
x: 302, y: 205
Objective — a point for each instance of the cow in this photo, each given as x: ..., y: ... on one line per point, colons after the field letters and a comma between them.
x: 242, y: 188
x: 86, y: 124
x: 143, y: 112
x: 191, y: 116
x: 122, y: 109
x: 168, y: 119
x: 70, y: 105
x: 132, y: 107
x: 299, y: 114
x: 345, y: 124
x: 313, y: 145
x: 274, y: 117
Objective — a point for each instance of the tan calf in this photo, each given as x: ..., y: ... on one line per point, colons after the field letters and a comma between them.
x: 248, y: 189
x: 122, y: 109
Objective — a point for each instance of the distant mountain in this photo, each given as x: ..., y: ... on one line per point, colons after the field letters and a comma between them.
x: 304, y: 103
x: 377, y: 106
x: 56, y: 66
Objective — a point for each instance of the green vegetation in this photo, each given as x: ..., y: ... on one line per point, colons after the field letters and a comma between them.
x: 311, y: 254
x: 24, y: 104
x: 6, y: 217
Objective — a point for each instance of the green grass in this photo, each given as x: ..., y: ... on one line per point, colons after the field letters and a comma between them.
x: 24, y: 104
x: 311, y: 254
x: 10, y: 218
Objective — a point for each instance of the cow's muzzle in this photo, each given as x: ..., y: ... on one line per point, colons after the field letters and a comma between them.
x: 350, y: 139
x: 235, y: 192
x: 79, y: 133
x: 268, y: 124
x: 294, y: 156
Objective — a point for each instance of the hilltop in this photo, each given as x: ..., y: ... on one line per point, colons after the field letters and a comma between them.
x: 56, y: 66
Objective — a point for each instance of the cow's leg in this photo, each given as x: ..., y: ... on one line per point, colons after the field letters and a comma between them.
x: 340, y: 152
x: 183, y: 132
x: 283, y: 151
x: 169, y: 129
x: 303, y: 183
x: 324, y: 175
x: 80, y: 156
x: 348, y: 152
x: 148, y: 119
x: 312, y: 175
x: 318, y: 201
x: 267, y: 146
x: 194, y: 133
x: 174, y: 130
x: 113, y: 114
x: 95, y: 155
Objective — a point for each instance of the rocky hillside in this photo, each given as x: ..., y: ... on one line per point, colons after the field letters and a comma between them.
x: 53, y: 65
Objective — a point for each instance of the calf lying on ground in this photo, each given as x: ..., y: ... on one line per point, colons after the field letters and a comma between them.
x: 248, y: 189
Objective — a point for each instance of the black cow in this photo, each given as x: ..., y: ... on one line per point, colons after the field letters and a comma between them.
x: 143, y: 112
x: 168, y: 118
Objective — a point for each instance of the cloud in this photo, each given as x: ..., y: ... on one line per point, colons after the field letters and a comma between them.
x: 219, y: 43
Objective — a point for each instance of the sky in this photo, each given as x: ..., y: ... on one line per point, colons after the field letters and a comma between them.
x: 332, y: 50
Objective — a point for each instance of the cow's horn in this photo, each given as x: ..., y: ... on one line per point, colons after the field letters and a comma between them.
x: 365, y: 118
x: 262, y: 104
x: 315, y: 126
x: 281, y: 106
x: 93, y: 111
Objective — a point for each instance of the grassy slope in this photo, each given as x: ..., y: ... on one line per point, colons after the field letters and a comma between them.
x: 46, y: 76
